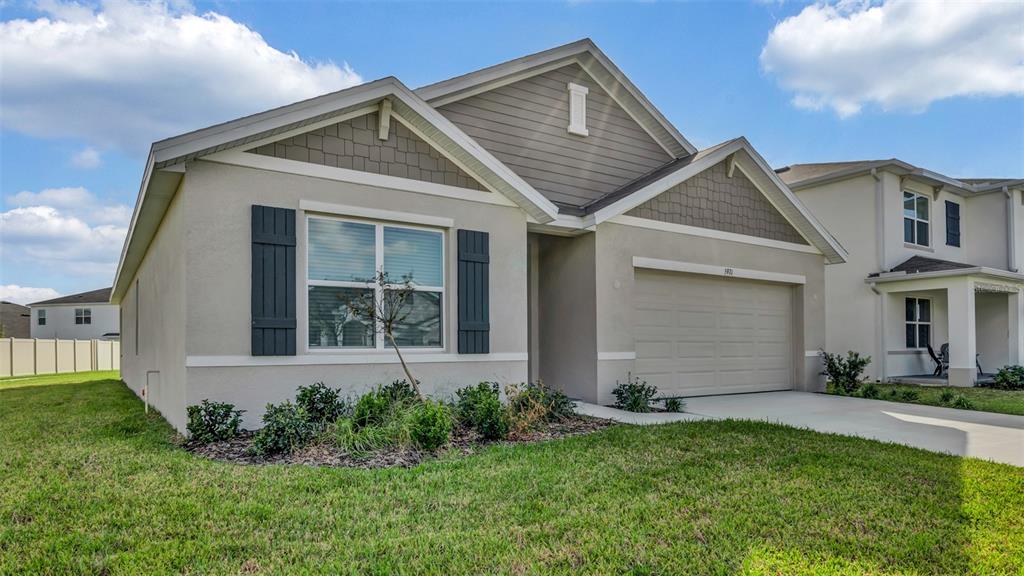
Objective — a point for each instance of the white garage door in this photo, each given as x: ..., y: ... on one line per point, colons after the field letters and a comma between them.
x: 698, y: 334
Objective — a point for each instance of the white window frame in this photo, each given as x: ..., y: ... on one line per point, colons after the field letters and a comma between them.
x: 917, y: 321
x: 41, y: 317
x: 85, y: 315
x: 928, y: 201
x: 379, y: 343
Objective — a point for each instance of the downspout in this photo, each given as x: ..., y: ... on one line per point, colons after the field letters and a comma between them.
x: 879, y: 219
x: 880, y: 336
x: 1011, y: 222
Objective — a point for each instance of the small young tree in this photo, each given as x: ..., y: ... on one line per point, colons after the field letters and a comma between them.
x: 389, y: 311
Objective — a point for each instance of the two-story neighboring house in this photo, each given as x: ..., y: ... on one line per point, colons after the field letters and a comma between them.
x: 82, y: 316
x: 933, y: 260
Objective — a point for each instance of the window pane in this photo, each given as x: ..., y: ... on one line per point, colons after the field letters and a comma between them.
x: 331, y: 325
x: 908, y: 204
x: 911, y: 335
x: 422, y: 326
x: 924, y: 308
x: 922, y: 208
x: 341, y: 251
x: 911, y: 307
x: 415, y: 253
x: 922, y: 233
x: 908, y: 230
x: 923, y: 335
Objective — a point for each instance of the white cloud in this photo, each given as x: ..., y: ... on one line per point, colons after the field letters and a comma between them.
x: 74, y: 201
x: 87, y: 157
x: 897, y: 54
x: 125, y: 73
x: 25, y: 294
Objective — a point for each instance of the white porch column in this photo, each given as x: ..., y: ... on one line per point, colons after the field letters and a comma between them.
x: 962, y: 332
x: 1016, y: 320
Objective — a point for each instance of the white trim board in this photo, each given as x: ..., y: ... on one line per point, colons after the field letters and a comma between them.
x: 713, y: 270
x: 375, y: 214
x: 709, y: 233
x: 347, y: 359
x: 616, y: 355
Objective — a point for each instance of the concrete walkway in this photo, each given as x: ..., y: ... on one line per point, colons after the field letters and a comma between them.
x: 647, y: 419
x: 998, y: 437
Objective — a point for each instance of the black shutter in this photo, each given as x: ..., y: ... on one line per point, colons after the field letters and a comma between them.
x: 474, y: 290
x: 952, y: 223
x: 273, y: 281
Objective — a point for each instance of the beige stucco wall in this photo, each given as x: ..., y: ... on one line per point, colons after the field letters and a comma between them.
x: 986, y: 235
x: 218, y: 261
x: 617, y: 244
x: 159, y: 289
x: 992, y: 325
x: 902, y: 361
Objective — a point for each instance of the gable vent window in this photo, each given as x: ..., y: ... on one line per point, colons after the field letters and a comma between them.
x: 578, y: 109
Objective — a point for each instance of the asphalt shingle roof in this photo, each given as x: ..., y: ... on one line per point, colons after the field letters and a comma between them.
x: 101, y: 296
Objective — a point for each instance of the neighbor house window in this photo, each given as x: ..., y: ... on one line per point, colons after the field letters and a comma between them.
x: 919, y: 322
x: 83, y: 316
x: 345, y: 255
x: 41, y: 319
x: 952, y: 224
x: 915, y: 219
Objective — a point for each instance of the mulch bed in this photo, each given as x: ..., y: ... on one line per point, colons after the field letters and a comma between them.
x: 464, y: 441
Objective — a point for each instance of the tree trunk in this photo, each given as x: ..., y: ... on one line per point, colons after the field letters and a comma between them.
x: 412, y: 380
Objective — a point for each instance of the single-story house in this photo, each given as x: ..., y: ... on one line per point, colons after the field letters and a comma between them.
x: 557, y: 227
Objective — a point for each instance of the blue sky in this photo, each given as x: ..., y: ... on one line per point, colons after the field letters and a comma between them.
x: 813, y: 91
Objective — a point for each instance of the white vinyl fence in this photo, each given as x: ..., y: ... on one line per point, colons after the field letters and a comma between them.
x: 29, y: 356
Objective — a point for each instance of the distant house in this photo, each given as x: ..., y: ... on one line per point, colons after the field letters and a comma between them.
x: 15, y: 319
x: 81, y: 316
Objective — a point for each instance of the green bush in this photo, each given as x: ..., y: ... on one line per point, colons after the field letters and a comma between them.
x: 371, y: 409
x: 431, y: 425
x: 674, y: 405
x: 844, y: 373
x: 479, y: 407
x: 213, y: 421
x: 1009, y: 378
x: 532, y: 403
x: 323, y: 405
x: 909, y: 395
x: 946, y: 397
x: 394, y: 433
x: 869, y: 390
x: 285, y: 427
x: 960, y: 401
x: 893, y: 394
x: 634, y: 395
x: 399, y: 392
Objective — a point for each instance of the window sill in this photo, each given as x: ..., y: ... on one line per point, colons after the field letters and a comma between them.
x: 918, y: 247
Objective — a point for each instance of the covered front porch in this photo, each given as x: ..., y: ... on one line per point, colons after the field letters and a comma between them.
x: 977, y: 313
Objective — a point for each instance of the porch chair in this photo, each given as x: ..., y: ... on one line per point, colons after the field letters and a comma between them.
x: 944, y: 362
x: 940, y: 368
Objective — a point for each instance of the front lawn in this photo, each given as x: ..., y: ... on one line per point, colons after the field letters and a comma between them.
x: 92, y: 485
x: 985, y: 399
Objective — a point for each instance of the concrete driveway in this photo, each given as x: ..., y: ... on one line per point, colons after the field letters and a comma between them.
x: 998, y: 437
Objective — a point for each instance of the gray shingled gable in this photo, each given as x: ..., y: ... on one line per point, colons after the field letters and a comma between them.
x: 100, y: 296
x: 919, y: 264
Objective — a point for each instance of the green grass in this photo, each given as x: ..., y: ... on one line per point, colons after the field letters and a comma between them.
x: 49, y: 379
x: 92, y: 485
x: 984, y: 399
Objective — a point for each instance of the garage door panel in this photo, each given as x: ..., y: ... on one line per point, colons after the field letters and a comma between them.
x: 706, y: 335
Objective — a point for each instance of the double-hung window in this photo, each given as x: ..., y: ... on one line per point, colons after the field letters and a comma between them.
x: 919, y: 322
x: 344, y: 257
x: 83, y: 316
x: 915, y: 219
x: 41, y: 318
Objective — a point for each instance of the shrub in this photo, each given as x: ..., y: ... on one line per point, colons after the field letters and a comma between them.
x: 479, y: 407
x: 285, y: 427
x: 371, y: 409
x: 1009, y: 378
x: 844, y: 373
x: 399, y: 392
x: 947, y: 396
x: 634, y: 395
x: 893, y: 394
x: 533, y: 403
x: 674, y: 405
x: 961, y: 401
x: 213, y: 421
x: 909, y: 395
x: 323, y: 405
x: 431, y: 425
x: 869, y: 390
x: 394, y: 433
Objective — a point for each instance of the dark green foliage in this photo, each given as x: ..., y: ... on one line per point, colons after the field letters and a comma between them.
x: 213, y: 421
x: 634, y: 395
x: 674, y: 405
x: 285, y: 427
x: 431, y: 425
x: 399, y: 392
x: 962, y: 402
x: 552, y: 405
x: 322, y: 404
x: 844, y: 373
x: 893, y: 394
x: 479, y: 407
x: 910, y: 395
x: 1009, y: 378
x: 947, y: 396
x: 869, y: 390
x: 372, y: 408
